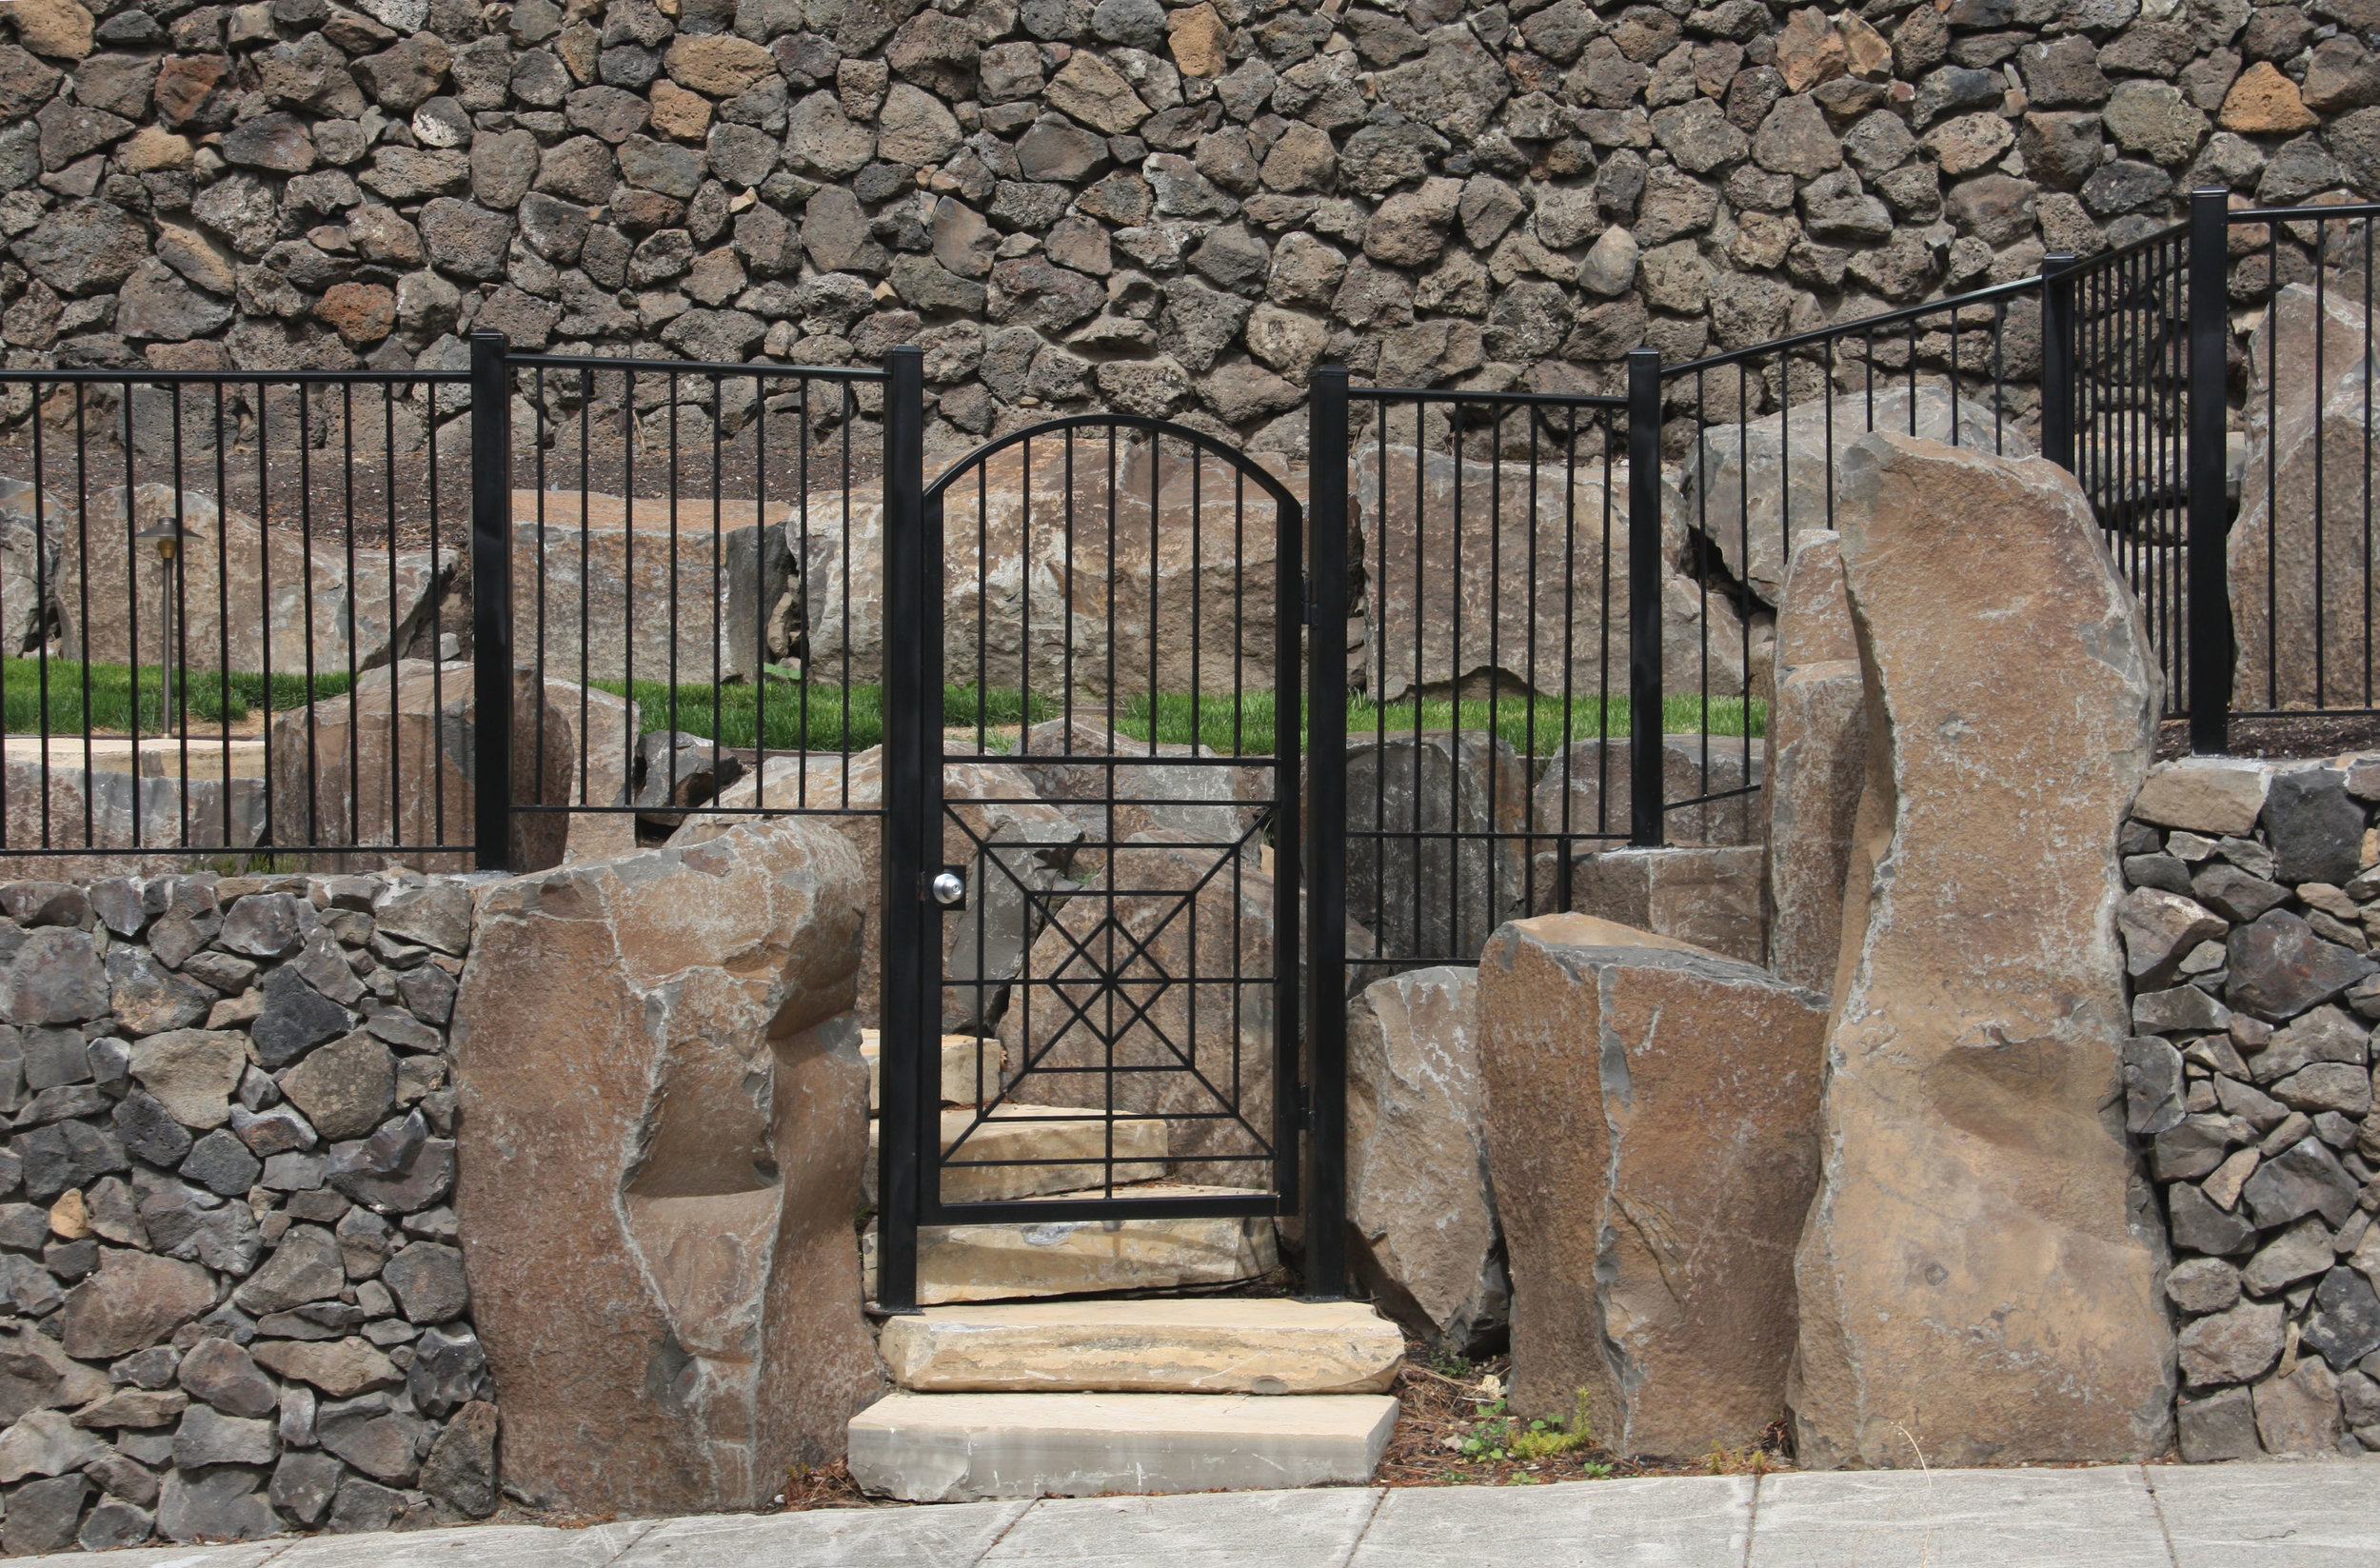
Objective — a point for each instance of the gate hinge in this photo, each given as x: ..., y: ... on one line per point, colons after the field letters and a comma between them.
x: 1305, y: 1107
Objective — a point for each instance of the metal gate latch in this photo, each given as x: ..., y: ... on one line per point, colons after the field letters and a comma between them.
x: 949, y: 888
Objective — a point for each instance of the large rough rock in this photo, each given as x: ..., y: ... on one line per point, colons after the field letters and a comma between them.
x: 1818, y: 751
x: 1436, y: 827
x: 284, y: 600
x: 392, y: 765
x: 1021, y: 856
x: 1757, y: 493
x: 1983, y: 1265
x: 1420, y: 1210
x: 1585, y: 789
x: 134, y: 798
x: 1512, y: 571
x: 608, y: 589
x: 1706, y: 897
x: 2297, y: 613
x: 1652, y: 1135
x: 1040, y: 592
x: 663, y: 1117
x: 1160, y: 788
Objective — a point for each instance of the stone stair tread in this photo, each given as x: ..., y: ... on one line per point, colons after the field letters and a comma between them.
x: 1212, y: 1345
x: 957, y: 1447
x: 1074, y: 1133
x: 1019, y: 1260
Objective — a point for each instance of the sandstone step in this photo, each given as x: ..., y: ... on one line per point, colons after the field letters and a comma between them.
x: 1273, y: 1345
x: 958, y: 1447
x: 1083, y: 1257
x: 959, y: 1065
x: 1029, y: 1132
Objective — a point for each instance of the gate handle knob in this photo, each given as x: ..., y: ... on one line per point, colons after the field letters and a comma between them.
x: 949, y: 889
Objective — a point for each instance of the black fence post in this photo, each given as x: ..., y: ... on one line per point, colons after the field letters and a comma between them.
x: 491, y: 602
x: 911, y: 999
x: 2058, y: 359
x: 1645, y: 813
x: 1326, y: 841
x: 2210, y: 648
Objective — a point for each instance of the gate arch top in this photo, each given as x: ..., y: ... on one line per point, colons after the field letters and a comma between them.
x: 1292, y: 511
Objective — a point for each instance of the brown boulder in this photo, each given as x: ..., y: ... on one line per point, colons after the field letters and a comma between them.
x: 1981, y: 1266
x: 1654, y: 1145
x: 392, y: 767
x: 135, y: 1300
x: 628, y: 566
x: 657, y: 1234
x: 1707, y: 898
x: 311, y: 599
x: 2298, y: 615
x: 1817, y: 751
x: 1421, y: 1214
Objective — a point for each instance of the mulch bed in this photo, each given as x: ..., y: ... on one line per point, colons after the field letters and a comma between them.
x: 2290, y: 735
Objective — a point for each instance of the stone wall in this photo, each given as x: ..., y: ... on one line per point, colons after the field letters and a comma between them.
x: 1161, y: 209
x: 234, y: 1304
x: 2247, y: 928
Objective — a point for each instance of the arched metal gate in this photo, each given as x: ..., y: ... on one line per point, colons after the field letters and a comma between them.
x: 1092, y: 916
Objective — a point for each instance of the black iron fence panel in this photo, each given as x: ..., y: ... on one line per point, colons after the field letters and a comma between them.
x: 2126, y: 315
x: 696, y: 593
x: 2301, y: 555
x: 218, y: 590
x: 1485, y: 741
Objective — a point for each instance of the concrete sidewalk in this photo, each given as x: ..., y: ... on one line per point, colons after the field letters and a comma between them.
x: 2314, y: 1514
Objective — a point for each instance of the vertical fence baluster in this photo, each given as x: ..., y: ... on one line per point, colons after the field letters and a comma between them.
x: 491, y: 602
x: 2209, y: 662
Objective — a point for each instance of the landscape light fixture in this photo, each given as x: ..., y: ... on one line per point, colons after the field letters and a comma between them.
x: 165, y: 533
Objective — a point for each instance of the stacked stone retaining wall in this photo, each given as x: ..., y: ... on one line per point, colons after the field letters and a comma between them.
x: 2248, y: 930
x: 1160, y: 209
x: 234, y: 1302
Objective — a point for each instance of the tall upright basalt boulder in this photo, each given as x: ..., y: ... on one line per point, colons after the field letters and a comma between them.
x: 1420, y: 1210
x: 1980, y: 1275
x: 2300, y: 549
x: 1817, y: 753
x: 664, y: 1116
x: 1653, y: 1133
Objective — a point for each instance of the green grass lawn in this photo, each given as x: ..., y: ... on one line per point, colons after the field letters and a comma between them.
x: 834, y: 719
x: 785, y: 716
x: 103, y: 695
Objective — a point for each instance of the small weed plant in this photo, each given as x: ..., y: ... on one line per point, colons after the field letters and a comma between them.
x: 1496, y: 1435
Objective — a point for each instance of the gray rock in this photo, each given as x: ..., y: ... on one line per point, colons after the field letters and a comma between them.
x: 2315, y: 828
x: 225, y: 1376
x: 428, y: 1280
x: 207, y: 1436
x: 2200, y: 1285
x: 344, y: 1088
x: 222, y: 1504
x: 2279, y: 968
x: 2152, y: 1085
x: 149, y: 1131
x: 295, y: 1017
x: 266, y: 926
x: 304, y: 1267
x: 222, y: 1164
x: 54, y: 1058
x: 2307, y: 1178
x: 42, y: 1515
x: 2222, y: 1426
x: 44, y: 1442
x: 2344, y: 1327
x: 2235, y: 894
x: 116, y: 1523
x: 2300, y: 1252
x: 448, y: 1370
x: 386, y: 1444
x: 2234, y: 1347
x: 461, y: 1469
x: 303, y: 1483
x: 362, y: 1506
x: 55, y: 978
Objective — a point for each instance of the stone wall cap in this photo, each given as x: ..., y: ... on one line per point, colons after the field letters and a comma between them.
x: 2213, y: 795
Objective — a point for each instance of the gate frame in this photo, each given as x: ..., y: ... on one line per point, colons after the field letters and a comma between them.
x: 909, y: 1151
